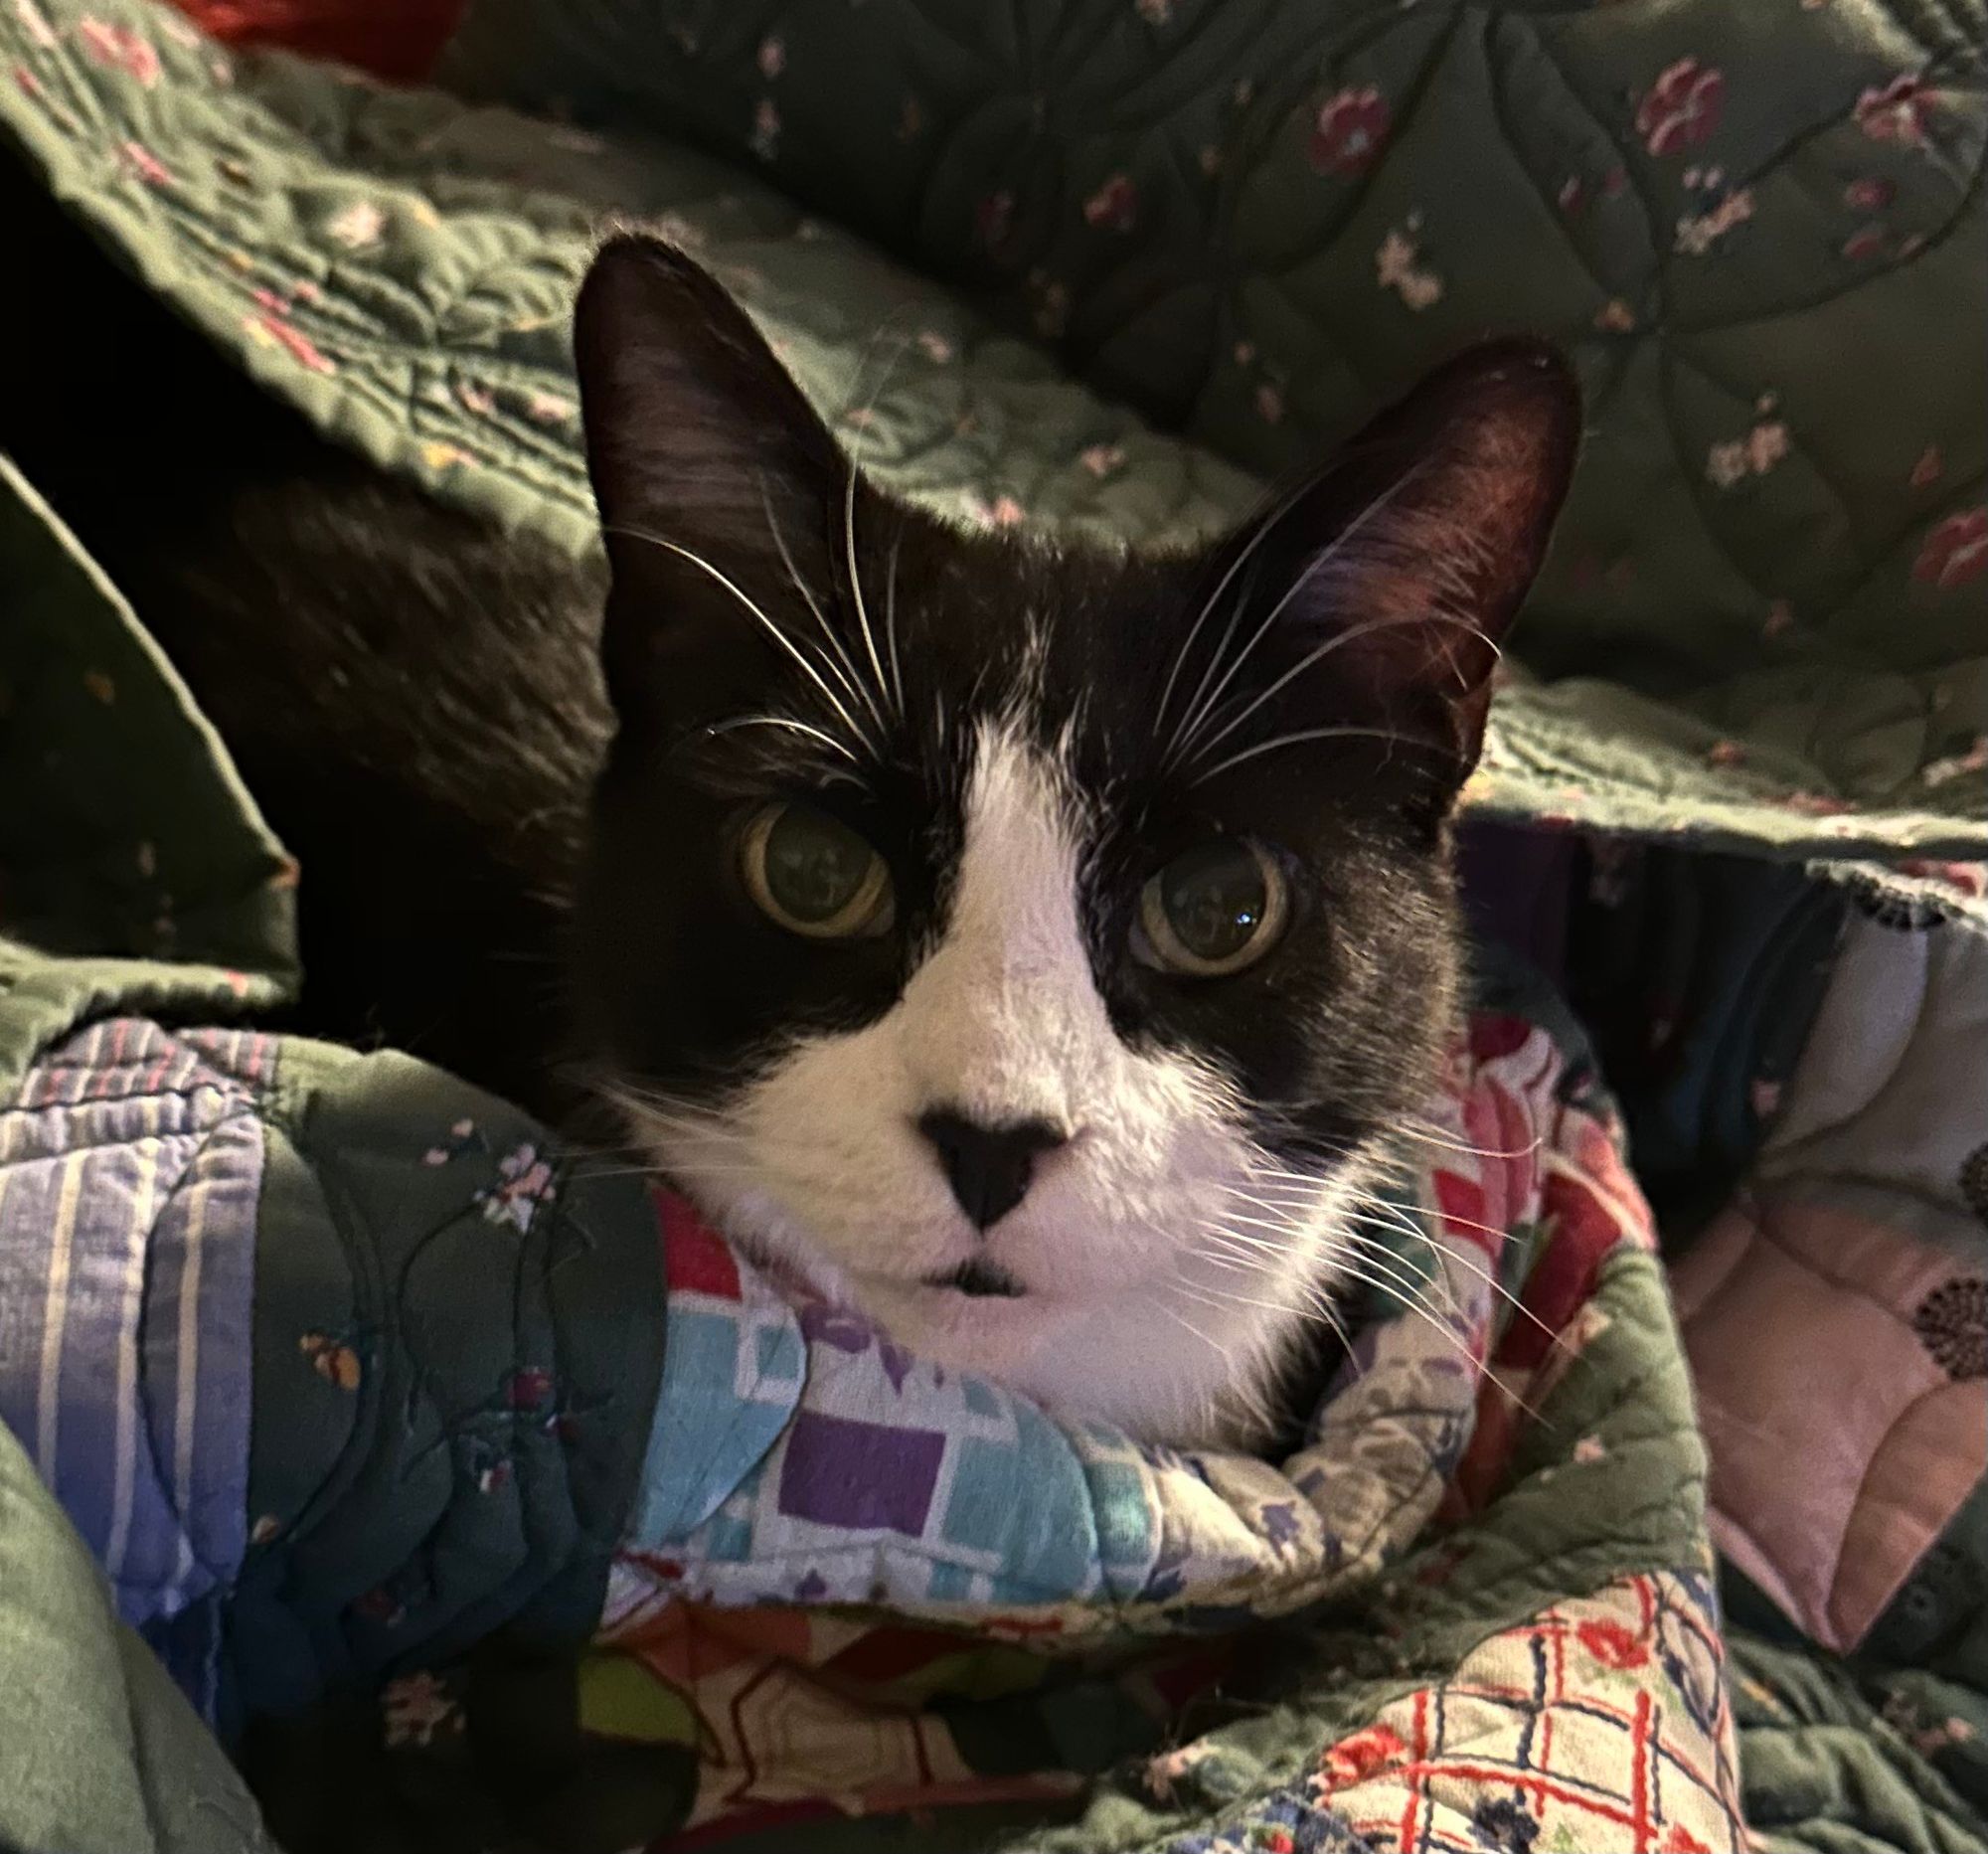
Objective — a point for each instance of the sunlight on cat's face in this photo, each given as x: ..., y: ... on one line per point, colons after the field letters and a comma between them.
x: 989, y: 1170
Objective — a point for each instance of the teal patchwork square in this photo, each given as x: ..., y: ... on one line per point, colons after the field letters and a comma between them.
x: 1026, y: 1505
x: 1124, y: 1519
x: 780, y: 1353
x: 949, y: 1583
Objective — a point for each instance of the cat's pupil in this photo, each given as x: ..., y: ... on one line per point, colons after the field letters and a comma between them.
x: 1214, y: 899
x: 814, y: 866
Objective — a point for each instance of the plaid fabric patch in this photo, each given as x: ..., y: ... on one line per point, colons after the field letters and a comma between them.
x: 1600, y: 1726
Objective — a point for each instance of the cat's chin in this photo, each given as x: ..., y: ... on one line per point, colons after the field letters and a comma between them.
x: 1163, y: 1362
x: 1092, y: 1357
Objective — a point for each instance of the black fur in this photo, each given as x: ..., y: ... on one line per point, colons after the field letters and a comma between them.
x: 698, y: 440
x: 417, y: 700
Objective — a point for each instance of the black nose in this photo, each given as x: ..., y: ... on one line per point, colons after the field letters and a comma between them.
x: 988, y: 1167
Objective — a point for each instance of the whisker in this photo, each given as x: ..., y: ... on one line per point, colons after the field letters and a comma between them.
x: 845, y: 669
x: 772, y: 630
x: 1202, y: 706
x: 1430, y: 1134
x: 890, y: 620
x: 1339, y: 643
x: 1465, y: 1259
x: 791, y: 726
x: 1316, y: 734
x: 1268, y: 522
x: 855, y: 576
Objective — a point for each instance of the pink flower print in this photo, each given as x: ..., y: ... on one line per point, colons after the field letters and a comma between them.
x: 272, y: 330
x: 35, y: 23
x: 994, y: 219
x: 148, y: 167
x: 1103, y: 460
x: 120, y: 48
x: 1865, y: 242
x: 356, y: 225
x: 1766, y: 446
x: 772, y: 56
x: 525, y: 1182
x: 1869, y: 192
x: 936, y: 347
x: 1397, y: 266
x: 1931, y: 467
x: 1682, y: 109
x: 528, y: 1387
x: 1114, y: 206
x: 1697, y: 233
x: 766, y: 139
x: 1973, y: 759
x: 1895, y: 111
x: 1349, y: 131
x: 415, y: 1707
x: 1002, y: 512
x: 1955, y: 552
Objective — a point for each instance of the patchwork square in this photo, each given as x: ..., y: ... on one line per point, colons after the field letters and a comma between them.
x: 860, y: 1475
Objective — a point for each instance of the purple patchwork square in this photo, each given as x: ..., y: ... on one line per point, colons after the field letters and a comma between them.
x: 860, y: 1475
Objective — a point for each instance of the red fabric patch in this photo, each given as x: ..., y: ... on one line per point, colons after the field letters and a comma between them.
x: 1562, y: 1281
x: 1495, y: 1034
x: 1354, y: 1759
x: 695, y: 1261
x: 397, y: 39
x: 1611, y: 1644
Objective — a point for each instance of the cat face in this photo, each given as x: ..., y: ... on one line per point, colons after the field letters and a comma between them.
x: 1032, y: 945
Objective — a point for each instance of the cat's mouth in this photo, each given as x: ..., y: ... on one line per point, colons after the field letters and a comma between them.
x: 979, y: 1279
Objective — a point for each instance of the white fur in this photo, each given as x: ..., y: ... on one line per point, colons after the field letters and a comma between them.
x: 1161, y: 1286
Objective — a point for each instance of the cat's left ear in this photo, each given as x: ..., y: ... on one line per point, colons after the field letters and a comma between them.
x: 1402, y: 565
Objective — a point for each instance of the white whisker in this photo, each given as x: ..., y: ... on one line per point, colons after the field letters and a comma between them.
x: 1265, y: 525
x: 1203, y: 704
x: 1316, y: 734
x: 856, y: 577
x: 772, y: 630
x: 1338, y: 642
x: 789, y: 725
x: 891, y: 622
x: 845, y: 669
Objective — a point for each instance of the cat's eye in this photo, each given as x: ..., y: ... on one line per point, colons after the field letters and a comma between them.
x: 814, y: 875
x: 1216, y: 910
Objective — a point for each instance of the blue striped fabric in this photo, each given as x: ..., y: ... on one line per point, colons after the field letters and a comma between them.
x: 130, y: 1171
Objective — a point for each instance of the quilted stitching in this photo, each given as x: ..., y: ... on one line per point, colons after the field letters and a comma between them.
x: 375, y: 259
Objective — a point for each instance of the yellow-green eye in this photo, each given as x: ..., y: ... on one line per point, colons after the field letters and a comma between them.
x: 814, y: 875
x: 1213, y: 910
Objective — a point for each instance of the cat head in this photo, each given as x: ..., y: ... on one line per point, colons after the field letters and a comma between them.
x: 1030, y: 943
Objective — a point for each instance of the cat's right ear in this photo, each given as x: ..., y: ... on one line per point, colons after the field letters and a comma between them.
x: 716, y: 481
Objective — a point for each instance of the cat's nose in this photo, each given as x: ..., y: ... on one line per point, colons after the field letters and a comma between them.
x: 988, y: 1167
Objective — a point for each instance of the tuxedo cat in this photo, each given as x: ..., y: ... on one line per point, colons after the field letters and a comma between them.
x: 1031, y: 945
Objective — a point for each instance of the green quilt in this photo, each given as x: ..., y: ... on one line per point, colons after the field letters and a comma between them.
x: 1766, y: 625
